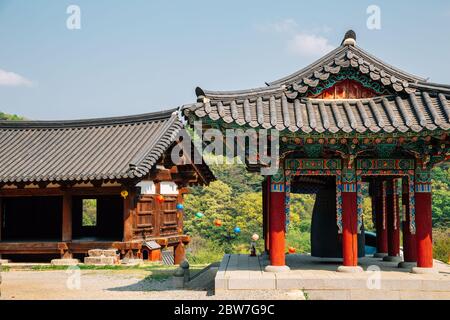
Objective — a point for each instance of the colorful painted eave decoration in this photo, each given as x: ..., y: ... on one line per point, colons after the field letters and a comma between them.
x: 385, y: 164
x: 313, y: 164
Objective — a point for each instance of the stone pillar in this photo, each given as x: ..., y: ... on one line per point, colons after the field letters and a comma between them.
x: 424, y: 242
x: 277, y: 224
x: 349, y: 223
x: 393, y: 222
x: 409, y: 239
x: 379, y: 209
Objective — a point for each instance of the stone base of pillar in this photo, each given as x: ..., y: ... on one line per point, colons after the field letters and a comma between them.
x: 277, y: 269
x: 380, y: 255
x: 347, y: 269
x: 392, y: 259
x: 407, y: 265
x: 4, y: 261
x: 65, y: 262
x: 419, y: 270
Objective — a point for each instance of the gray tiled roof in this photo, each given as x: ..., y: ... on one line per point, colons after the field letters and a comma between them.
x: 414, y: 112
x: 412, y: 104
x: 82, y: 150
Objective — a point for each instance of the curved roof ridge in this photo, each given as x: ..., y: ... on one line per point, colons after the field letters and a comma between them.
x: 432, y: 86
x: 166, y: 136
x: 344, y: 56
x: 237, y: 93
x: 308, y: 68
x: 389, y: 66
x: 93, y: 122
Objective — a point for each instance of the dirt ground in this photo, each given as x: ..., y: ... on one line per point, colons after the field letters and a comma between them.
x: 111, y: 284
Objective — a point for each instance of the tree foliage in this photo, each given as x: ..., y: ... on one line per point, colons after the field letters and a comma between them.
x: 10, y: 117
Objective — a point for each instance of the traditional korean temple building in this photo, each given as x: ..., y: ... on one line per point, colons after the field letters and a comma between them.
x: 70, y: 186
x: 346, y: 121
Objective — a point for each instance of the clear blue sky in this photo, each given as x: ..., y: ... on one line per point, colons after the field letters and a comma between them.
x: 141, y: 56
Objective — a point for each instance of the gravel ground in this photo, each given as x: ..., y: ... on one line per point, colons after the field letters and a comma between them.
x: 112, y: 284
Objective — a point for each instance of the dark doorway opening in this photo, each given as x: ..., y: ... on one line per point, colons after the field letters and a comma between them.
x: 31, y: 218
x: 97, y: 218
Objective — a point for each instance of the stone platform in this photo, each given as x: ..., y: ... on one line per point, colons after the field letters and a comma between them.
x: 318, y: 278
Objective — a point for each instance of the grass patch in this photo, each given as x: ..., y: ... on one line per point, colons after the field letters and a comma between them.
x: 144, y: 267
x: 158, y: 272
x: 4, y: 268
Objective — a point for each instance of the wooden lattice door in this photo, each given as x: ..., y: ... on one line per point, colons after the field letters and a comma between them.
x: 146, y: 215
x: 168, y: 215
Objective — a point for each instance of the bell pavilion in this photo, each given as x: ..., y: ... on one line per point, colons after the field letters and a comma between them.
x: 347, y: 121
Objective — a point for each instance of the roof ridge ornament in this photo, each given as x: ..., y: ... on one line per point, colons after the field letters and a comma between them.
x: 349, y: 38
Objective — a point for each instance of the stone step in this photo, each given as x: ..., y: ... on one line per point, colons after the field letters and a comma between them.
x: 110, y: 252
x: 65, y: 262
x: 101, y: 260
x: 95, y: 252
x: 102, y: 252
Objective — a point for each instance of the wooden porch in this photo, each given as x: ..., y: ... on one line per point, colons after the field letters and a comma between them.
x: 81, y: 246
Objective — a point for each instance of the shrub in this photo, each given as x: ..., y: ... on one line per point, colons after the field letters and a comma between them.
x: 441, y: 244
x: 203, y: 251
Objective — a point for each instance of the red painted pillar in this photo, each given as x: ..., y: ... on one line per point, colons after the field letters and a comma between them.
x: 393, y: 223
x: 423, y: 219
x: 350, y: 226
x: 349, y: 219
x: 277, y: 224
x: 409, y: 239
x: 379, y: 207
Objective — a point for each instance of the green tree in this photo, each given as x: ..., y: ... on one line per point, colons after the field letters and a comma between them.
x: 10, y: 117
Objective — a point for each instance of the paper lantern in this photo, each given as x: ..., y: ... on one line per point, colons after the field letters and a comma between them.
x: 199, y: 215
x: 255, y: 237
x: 218, y: 222
x: 180, y: 206
x: 124, y: 194
x: 160, y: 198
x: 291, y: 250
x: 237, y: 230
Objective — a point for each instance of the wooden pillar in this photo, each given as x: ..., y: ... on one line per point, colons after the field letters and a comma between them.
x: 349, y: 219
x: 179, y: 254
x: 409, y: 239
x: 128, y: 215
x: 393, y: 221
x: 67, y: 216
x: 180, y: 213
x: 379, y: 207
x: 423, y: 219
x: 277, y: 225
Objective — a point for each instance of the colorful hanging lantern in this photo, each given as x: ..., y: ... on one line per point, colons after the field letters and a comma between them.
x: 218, y: 222
x: 255, y: 237
x: 160, y: 198
x: 237, y: 230
x: 291, y: 250
x: 180, y: 206
x: 199, y: 215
